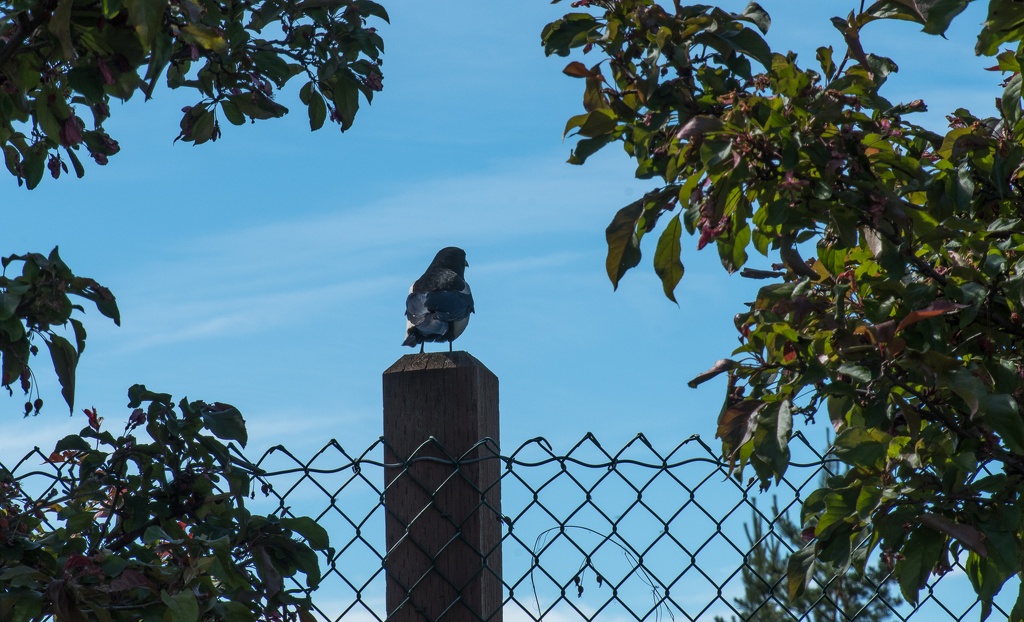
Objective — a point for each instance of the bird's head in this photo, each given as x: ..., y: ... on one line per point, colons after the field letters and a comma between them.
x: 452, y: 258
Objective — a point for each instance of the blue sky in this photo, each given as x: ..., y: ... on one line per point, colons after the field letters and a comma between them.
x: 269, y: 269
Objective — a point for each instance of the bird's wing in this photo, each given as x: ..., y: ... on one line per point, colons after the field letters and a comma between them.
x: 438, y: 279
x: 449, y: 306
x: 416, y: 307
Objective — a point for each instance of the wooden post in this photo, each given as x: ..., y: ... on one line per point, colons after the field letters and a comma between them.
x: 443, y: 514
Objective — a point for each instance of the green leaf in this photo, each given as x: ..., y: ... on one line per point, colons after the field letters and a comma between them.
x: 588, y: 147
x: 273, y: 66
x: 305, y: 91
x: 367, y: 7
x: 80, y: 522
x: 226, y: 422
x: 203, y: 125
x: 72, y: 442
x: 1004, y: 415
x: 1004, y: 23
x: 34, y: 164
x: 733, y: 250
x: 598, y: 122
x: 76, y: 163
x: 8, y: 304
x: 747, y: 41
x: 667, y: 263
x: 1017, y: 613
x: 857, y: 372
x: 623, y: 244
x: 258, y: 106
x: 80, y: 334
x: 756, y: 15
x: 317, y: 111
x: 799, y: 571
x: 60, y: 26
x: 988, y: 574
x: 163, y: 47
x: 138, y: 393
x: 921, y: 553
x: 147, y: 18
x: 155, y: 533
x: 935, y: 15
x: 182, y: 606
x: 65, y: 360
x: 207, y: 38
x: 345, y: 95
x: 968, y: 387
x: 22, y: 576
x: 314, y: 534
x: 232, y: 112
x: 838, y: 508
x: 571, y: 31
x: 863, y: 447
x: 828, y: 67
x: 867, y: 501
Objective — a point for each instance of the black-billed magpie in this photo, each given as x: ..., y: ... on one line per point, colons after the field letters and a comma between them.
x: 439, y: 302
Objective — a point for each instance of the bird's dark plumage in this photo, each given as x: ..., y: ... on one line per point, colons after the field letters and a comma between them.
x: 440, y: 301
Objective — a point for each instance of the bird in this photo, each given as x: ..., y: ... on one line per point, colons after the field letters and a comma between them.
x: 440, y: 301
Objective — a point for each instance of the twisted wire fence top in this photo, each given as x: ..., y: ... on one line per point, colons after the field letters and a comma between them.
x: 630, y: 533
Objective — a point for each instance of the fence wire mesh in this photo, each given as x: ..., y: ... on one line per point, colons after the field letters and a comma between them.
x: 586, y: 533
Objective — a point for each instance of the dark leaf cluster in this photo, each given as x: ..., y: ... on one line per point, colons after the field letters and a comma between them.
x: 152, y: 525
x: 31, y: 305
x: 61, y: 62
x: 895, y: 293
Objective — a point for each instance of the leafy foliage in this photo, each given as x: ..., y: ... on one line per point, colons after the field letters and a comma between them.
x: 30, y: 306
x: 152, y: 528
x: 62, y: 61
x: 896, y: 291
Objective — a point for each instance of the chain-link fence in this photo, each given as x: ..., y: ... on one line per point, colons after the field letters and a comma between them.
x: 588, y: 533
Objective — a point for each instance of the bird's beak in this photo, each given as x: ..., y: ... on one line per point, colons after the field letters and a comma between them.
x: 467, y: 263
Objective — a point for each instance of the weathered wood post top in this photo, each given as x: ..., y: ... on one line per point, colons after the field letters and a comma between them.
x: 442, y: 489
x: 448, y: 395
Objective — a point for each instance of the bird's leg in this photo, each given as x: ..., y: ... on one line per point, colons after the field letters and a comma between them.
x: 450, y: 345
x: 421, y: 346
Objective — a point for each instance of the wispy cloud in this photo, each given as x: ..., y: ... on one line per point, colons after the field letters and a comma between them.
x: 357, y: 257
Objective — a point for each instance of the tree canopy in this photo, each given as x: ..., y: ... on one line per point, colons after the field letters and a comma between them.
x: 150, y: 524
x: 61, y: 61
x: 156, y: 528
x: 896, y: 288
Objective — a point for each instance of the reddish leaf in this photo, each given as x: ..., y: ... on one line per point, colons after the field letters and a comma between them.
x: 939, y: 307
x: 65, y: 607
x: 964, y: 534
x: 736, y: 426
x: 130, y: 579
x: 577, y: 69
x: 698, y: 126
x: 623, y: 244
x: 721, y: 365
x: 94, y: 418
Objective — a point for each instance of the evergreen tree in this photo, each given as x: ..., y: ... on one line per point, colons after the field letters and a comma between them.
x: 870, y: 597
